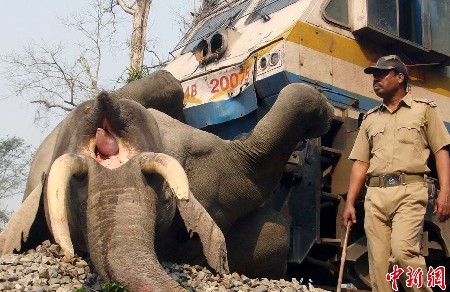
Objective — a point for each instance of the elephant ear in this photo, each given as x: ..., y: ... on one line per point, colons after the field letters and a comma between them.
x: 18, y: 227
x: 197, y: 220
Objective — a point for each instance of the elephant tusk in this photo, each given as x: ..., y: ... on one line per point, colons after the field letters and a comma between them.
x: 63, y: 168
x: 170, y: 169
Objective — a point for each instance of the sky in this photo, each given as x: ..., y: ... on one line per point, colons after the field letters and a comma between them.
x: 26, y: 22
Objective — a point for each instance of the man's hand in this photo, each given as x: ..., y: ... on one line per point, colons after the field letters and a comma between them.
x: 357, y: 178
x: 349, y: 214
x: 442, y: 206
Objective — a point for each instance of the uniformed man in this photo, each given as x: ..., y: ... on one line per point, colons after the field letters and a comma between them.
x: 390, y: 155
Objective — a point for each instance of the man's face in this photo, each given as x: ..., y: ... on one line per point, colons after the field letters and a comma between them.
x: 386, y: 83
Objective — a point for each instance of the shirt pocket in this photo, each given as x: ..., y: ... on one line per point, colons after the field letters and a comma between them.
x: 409, y: 132
x: 376, y: 135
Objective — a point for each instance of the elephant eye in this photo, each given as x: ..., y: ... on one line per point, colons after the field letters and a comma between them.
x: 87, y: 109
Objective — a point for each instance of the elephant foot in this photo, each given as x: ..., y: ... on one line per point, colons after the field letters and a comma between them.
x: 258, y: 244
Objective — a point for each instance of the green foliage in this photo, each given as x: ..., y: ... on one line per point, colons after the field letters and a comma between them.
x: 113, y: 287
x: 106, y: 287
x: 15, y: 159
x: 137, y: 73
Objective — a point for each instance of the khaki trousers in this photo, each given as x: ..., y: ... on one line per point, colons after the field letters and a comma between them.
x: 393, y: 222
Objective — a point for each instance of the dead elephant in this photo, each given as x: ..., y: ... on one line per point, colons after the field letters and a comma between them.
x: 104, y: 182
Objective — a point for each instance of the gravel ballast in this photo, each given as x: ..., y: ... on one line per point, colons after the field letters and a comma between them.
x: 46, y: 269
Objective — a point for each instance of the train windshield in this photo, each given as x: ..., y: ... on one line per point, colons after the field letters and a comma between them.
x: 337, y: 11
x: 224, y: 14
x: 265, y: 7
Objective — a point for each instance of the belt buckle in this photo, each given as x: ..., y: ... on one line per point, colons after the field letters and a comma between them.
x: 391, y: 180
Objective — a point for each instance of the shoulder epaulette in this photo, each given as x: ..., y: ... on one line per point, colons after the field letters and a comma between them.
x: 371, y: 111
x: 427, y: 101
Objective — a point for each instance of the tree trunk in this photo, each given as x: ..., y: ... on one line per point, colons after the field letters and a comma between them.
x: 139, y: 35
x: 140, y: 11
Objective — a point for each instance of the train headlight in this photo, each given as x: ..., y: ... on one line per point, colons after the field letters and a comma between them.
x: 201, y: 50
x: 218, y: 44
x: 274, y: 58
x: 211, y: 49
x: 263, y: 63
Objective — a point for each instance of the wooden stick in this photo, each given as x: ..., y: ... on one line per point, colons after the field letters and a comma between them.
x: 344, y: 254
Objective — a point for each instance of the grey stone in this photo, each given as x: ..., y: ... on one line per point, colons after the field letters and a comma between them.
x: 53, y: 272
x: 25, y: 280
x: 226, y: 283
x: 201, y: 275
x: 77, y: 286
x: 65, y: 280
x: 265, y: 281
x: 235, y: 276
x: 261, y: 288
x: 53, y: 287
x: 55, y: 249
x: 6, y: 286
x: 45, y: 269
x: 236, y: 283
x: 80, y: 271
x: 46, y: 260
x: 245, y: 279
x: 28, y: 258
x: 53, y: 281
x: 12, y: 278
x: 63, y: 289
x: 43, y: 273
x: 283, y: 283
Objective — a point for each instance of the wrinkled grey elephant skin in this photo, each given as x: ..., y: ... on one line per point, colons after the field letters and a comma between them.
x: 123, y: 178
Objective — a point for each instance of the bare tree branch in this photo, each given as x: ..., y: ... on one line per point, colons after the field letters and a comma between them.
x: 185, y: 15
x: 49, y: 105
x: 45, y: 75
x: 126, y: 8
x: 41, y: 71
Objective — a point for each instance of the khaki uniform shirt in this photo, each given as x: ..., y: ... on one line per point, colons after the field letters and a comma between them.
x: 400, y: 140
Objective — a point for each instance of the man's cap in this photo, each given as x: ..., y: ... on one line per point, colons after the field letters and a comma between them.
x: 390, y: 62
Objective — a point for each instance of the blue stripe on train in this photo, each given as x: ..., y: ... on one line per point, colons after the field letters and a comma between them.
x: 217, y: 112
x: 228, y: 118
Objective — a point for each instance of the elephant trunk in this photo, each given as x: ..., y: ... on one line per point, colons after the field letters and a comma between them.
x: 121, y: 215
x: 121, y: 222
x: 302, y: 111
x: 121, y: 230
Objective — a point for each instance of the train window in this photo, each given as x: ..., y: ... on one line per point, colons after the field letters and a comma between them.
x: 440, y: 23
x: 383, y: 15
x: 399, y: 17
x: 266, y: 7
x: 336, y: 11
x: 215, y: 23
x: 420, y: 25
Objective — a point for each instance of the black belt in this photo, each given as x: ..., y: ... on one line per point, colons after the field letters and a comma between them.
x: 393, y: 179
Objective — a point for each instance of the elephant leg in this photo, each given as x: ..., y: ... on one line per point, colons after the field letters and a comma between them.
x: 258, y: 244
